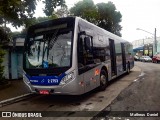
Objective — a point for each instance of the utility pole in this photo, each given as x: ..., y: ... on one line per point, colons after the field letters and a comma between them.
x: 155, y: 41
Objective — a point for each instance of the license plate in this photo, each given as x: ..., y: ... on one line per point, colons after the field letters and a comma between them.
x: 45, y: 92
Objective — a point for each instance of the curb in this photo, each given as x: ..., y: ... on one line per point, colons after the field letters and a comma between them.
x: 15, y: 99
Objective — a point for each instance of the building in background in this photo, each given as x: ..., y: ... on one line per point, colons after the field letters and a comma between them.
x: 13, y: 59
x: 145, y: 46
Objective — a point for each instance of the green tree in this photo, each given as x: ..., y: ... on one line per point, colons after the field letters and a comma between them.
x: 109, y: 18
x: 4, y: 35
x: 17, y: 11
x: 50, y: 5
x: 20, y: 12
x: 42, y: 19
x: 85, y: 9
x: 62, y: 12
x: 103, y: 15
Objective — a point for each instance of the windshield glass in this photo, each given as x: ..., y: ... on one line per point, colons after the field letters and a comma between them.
x: 49, y: 49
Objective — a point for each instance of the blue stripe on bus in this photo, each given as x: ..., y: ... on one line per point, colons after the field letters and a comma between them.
x: 45, y: 80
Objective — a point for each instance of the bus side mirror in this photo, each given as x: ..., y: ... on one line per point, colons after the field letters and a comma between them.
x: 87, y: 43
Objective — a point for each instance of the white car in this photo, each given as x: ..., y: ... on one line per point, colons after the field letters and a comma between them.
x: 146, y: 59
x: 136, y: 58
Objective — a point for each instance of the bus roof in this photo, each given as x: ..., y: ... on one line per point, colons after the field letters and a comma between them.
x: 91, y: 25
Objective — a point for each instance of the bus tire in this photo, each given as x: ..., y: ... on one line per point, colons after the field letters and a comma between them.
x: 128, y: 68
x: 103, y: 80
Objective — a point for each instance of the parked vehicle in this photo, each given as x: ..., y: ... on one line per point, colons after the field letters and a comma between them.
x: 145, y: 59
x: 136, y: 58
x: 156, y: 58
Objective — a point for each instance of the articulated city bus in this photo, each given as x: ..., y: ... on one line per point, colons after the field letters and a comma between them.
x: 72, y: 56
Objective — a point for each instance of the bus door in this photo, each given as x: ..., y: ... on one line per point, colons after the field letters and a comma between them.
x: 86, y: 64
x: 113, y: 57
x: 123, y: 56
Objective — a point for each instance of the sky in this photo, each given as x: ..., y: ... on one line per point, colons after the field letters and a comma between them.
x: 143, y: 14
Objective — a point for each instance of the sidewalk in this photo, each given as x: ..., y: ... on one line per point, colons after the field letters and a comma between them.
x: 13, y: 89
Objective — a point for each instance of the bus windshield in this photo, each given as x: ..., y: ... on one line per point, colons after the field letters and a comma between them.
x: 49, y: 49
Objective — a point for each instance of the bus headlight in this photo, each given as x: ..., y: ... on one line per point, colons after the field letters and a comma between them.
x: 69, y: 77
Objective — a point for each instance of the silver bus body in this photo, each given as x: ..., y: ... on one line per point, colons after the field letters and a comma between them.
x: 78, y: 79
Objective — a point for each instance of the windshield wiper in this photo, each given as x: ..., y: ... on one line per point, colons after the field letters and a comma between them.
x: 38, y: 51
x: 49, y: 45
x: 53, y: 39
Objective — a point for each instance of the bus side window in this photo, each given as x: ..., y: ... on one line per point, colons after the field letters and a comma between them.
x: 87, y: 43
x: 88, y: 56
x: 85, y: 54
x: 80, y: 53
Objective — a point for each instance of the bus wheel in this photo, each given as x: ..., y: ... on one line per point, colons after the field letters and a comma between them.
x: 128, y: 68
x: 103, y: 80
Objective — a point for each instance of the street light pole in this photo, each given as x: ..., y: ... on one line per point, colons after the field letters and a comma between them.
x: 155, y: 39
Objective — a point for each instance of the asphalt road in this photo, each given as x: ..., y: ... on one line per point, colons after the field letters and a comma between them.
x: 94, y: 101
x: 142, y: 95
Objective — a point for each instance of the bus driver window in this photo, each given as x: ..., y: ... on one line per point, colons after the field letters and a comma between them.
x: 85, y: 55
